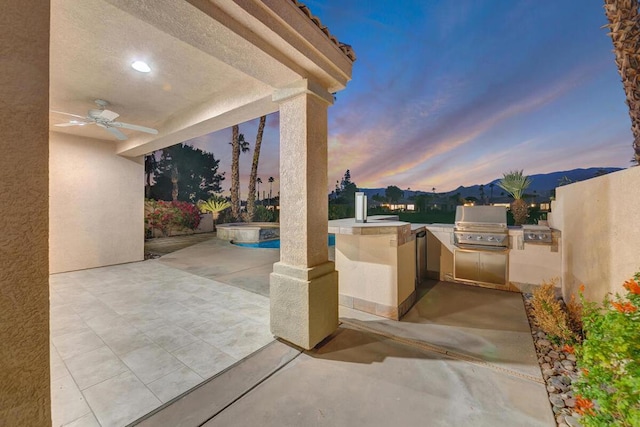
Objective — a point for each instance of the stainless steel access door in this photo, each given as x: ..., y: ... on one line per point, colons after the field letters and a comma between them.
x: 479, y: 266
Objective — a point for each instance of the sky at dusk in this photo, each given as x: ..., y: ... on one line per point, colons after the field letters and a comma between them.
x: 455, y: 93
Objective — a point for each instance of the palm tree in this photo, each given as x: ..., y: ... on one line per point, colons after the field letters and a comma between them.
x: 238, y: 144
x: 258, y: 182
x: 515, y: 183
x: 624, y: 27
x: 215, y: 205
x: 491, y: 192
x: 251, y: 198
x: 150, y: 168
x: 270, y: 187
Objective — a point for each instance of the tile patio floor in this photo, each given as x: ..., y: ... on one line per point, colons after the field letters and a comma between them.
x: 127, y: 338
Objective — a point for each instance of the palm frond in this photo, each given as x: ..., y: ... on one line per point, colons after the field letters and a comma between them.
x: 515, y: 183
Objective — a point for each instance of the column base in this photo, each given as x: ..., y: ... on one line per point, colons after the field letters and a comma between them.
x: 304, y: 303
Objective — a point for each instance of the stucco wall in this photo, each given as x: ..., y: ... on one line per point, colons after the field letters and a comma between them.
x: 24, y: 290
x: 600, y: 223
x: 96, y: 204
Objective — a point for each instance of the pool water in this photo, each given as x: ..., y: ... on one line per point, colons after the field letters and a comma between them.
x: 275, y: 244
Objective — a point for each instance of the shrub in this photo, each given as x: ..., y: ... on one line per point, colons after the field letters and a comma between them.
x: 163, y: 215
x: 262, y: 214
x: 549, y: 313
x: 187, y: 215
x: 608, y: 390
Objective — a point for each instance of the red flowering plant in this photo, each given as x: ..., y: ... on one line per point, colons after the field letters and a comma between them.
x: 187, y: 215
x: 608, y: 390
x: 165, y: 216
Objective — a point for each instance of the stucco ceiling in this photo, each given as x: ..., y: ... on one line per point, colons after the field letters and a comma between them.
x: 93, y: 44
x: 214, y: 63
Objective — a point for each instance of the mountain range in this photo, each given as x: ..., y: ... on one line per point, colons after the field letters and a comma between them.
x: 541, y: 184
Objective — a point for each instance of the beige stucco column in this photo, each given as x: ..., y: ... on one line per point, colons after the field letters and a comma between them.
x: 304, y: 284
x: 24, y: 197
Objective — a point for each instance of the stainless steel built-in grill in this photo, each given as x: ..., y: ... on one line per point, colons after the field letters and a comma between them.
x: 481, y: 237
x: 481, y: 227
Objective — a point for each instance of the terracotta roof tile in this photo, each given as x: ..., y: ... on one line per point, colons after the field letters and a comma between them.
x: 345, y: 48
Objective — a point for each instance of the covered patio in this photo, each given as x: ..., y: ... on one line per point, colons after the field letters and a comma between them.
x: 213, y: 65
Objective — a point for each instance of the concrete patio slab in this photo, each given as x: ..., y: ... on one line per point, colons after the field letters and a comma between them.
x: 359, y: 378
x: 461, y: 356
x: 464, y: 356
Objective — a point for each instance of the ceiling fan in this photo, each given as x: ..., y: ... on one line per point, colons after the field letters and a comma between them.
x: 105, y: 119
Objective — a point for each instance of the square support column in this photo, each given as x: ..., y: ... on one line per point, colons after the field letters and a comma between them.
x: 25, y: 398
x: 304, y: 284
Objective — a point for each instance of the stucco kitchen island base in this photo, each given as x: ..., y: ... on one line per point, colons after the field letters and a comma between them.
x: 376, y: 265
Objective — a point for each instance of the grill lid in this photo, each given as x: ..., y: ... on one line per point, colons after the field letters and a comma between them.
x: 481, y: 216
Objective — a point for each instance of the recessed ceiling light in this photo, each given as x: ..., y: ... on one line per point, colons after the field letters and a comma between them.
x: 140, y: 66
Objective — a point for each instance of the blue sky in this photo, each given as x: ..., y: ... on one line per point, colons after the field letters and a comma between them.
x: 451, y: 93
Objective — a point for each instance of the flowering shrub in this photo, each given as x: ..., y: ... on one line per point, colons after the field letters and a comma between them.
x: 608, y: 390
x: 163, y: 215
x: 187, y: 215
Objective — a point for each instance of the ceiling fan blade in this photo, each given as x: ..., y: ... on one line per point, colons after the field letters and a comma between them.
x: 72, y: 123
x: 108, y: 115
x: 121, y: 136
x: 69, y: 114
x: 134, y: 127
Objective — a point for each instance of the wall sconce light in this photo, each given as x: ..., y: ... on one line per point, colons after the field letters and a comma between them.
x: 361, y: 207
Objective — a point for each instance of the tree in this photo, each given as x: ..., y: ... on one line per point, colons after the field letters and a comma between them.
x: 258, y: 182
x: 421, y: 202
x: 238, y: 144
x: 251, y: 198
x: 270, y: 187
x: 491, y: 192
x: 482, y: 194
x: 187, y: 174
x: 624, y: 29
x: 393, y: 193
x: 515, y: 183
x: 346, y: 191
x: 150, y: 168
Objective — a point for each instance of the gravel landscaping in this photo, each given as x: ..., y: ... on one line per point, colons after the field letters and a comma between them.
x: 558, y: 368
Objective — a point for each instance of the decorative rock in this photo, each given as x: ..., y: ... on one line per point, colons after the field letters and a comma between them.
x: 566, y: 380
x: 560, y: 419
x: 553, y: 354
x: 570, y: 403
x: 548, y: 372
x: 562, y: 425
x: 544, y: 343
x: 545, y: 366
x: 558, y: 384
x: 551, y: 389
x: 542, y: 335
x: 571, y: 357
x: 572, y: 421
x: 556, y: 401
x: 547, y: 358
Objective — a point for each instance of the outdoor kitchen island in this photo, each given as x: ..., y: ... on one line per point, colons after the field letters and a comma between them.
x: 514, y: 259
x: 376, y: 264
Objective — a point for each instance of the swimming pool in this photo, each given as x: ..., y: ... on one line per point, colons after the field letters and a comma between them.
x: 275, y: 244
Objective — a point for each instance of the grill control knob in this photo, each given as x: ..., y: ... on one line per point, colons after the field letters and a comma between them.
x: 491, y: 238
x: 478, y: 237
x: 532, y: 236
